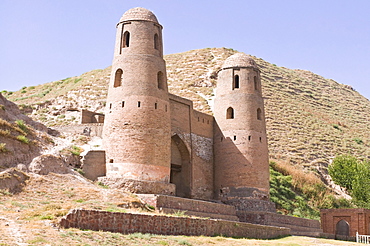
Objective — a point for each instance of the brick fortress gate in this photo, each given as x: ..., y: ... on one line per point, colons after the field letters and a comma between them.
x: 175, y: 157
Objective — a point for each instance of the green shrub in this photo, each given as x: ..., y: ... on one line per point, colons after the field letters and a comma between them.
x: 3, y: 149
x: 75, y: 150
x: 354, y: 175
x: 358, y: 140
x: 2, y: 107
x: 343, y: 169
x: 23, y: 139
x: 22, y: 125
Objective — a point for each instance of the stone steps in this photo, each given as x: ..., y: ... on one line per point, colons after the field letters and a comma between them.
x: 191, y: 207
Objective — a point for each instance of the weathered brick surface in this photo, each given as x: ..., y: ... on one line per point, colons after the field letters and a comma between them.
x: 298, y: 226
x: 171, y: 204
x: 240, y: 142
x: 137, y: 130
x: 93, y: 164
x: 357, y: 218
x: 165, y: 225
x: 91, y: 117
x: 91, y: 129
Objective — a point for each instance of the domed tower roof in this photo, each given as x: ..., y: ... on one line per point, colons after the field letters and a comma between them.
x: 239, y: 60
x: 138, y: 14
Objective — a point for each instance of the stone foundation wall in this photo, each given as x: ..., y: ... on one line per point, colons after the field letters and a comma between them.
x: 165, y: 225
x: 92, y: 129
x: 298, y: 226
x: 245, y: 204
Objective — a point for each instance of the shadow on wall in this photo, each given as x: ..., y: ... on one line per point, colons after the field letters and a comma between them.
x: 180, y: 167
x: 235, y: 175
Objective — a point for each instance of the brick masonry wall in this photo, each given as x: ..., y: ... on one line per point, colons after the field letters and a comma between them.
x: 357, y: 218
x: 165, y: 225
x: 297, y: 225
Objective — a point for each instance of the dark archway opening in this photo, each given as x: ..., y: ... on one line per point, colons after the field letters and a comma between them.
x: 236, y: 82
x: 230, y: 113
x: 156, y: 42
x: 342, y: 228
x: 118, y: 78
x: 160, y: 80
x: 126, y: 39
x: 180, y: 167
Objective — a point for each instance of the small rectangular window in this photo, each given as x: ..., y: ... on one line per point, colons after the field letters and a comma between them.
x: 123, y: 104
x: 138, y: 104
x: 111, y: 161
x: 155, y: 105
x: 234, y: 137
x: 110, y: 106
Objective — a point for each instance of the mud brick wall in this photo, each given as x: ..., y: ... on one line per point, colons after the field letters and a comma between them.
x: 92, y: 129
x: 165, y: 225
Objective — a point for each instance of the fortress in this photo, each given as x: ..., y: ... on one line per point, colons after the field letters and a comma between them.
x: 176, y: 158
x: 159, y: 144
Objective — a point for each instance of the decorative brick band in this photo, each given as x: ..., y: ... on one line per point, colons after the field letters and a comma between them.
x: 165, y: 225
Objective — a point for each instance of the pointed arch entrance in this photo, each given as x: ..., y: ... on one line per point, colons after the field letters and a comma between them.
x: 342, y: 228
x: 180, y: 167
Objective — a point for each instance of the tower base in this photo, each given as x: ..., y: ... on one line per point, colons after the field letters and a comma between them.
x: 139, y: 186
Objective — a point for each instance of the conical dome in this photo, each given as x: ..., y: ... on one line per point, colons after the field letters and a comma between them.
x: 239, y: 60
x: 138, y: 14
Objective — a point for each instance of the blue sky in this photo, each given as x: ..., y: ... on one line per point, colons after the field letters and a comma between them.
x: 48, y: 40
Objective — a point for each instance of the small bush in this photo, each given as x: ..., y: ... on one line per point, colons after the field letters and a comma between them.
x: 358, y: 140
x: 2, y: 107
x: 75, y: 150
x: 22, y: 125
x: 80, y: 171
x: 3, y: 149
x: 102, y: 185
x: 23, y: 139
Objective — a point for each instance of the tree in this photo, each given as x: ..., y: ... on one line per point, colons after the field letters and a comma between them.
x: 343, y: 170
x: 354, y: 175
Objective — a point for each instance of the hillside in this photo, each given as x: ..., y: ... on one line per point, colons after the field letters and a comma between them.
x: 310, y: 119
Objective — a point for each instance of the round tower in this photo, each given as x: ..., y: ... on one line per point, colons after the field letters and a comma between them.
x: 240, y: 143
x: 136, y: 133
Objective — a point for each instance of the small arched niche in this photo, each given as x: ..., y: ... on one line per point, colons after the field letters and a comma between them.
x: 126, y: 39
x: 259, y: 114
x: 230, y: 113
x: 342, y: 228
x: 156, y: 42
x: 255, y: 80
x: 236, y: 82
x: 118, y: 78
x: 160, y: 80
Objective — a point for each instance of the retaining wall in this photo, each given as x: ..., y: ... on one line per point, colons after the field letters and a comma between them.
x: 165, y: 225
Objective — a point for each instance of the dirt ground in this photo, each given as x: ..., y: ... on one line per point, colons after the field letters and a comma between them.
x: 30, y: 217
